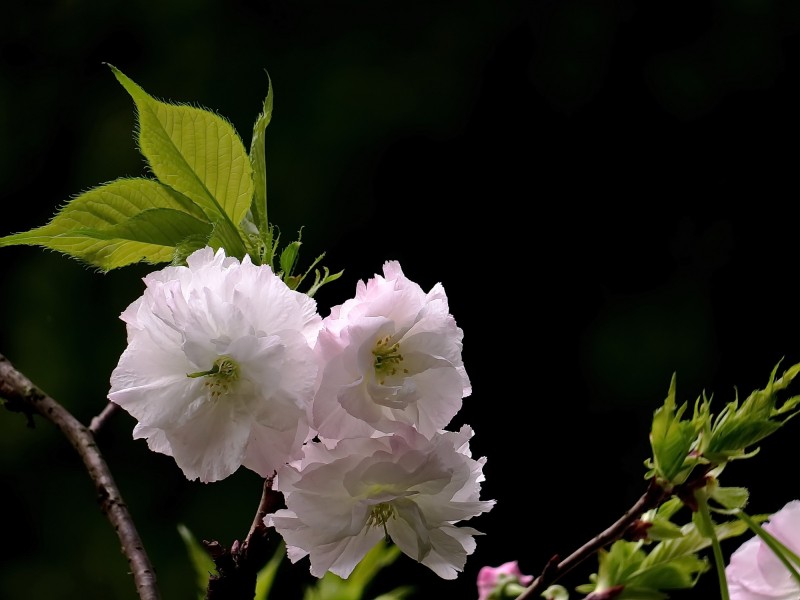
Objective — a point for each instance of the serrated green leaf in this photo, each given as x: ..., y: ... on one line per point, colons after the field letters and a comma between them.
x: 787, y: 377
x: 122, y: 222
x: 738, y: 435
x: 186, y: 247
x: 671, y: 440
x: 680, y: 573
x: 731, y: 497
x: 158, y: 226
x: 788, y: 405
x: 671, y: 564
x: 691, y: 543
x: 199, y: 154
x: 662, y: 529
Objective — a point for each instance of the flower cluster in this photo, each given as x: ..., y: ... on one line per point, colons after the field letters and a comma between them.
x: 226, y: 366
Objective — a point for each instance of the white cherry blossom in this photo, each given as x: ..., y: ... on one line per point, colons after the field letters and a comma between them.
x: 219, y: 369
x: 343, y: 500
x: 392, y: 357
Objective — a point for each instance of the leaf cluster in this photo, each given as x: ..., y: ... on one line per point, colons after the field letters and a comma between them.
x: 206, y: 189
x: 689, y: 453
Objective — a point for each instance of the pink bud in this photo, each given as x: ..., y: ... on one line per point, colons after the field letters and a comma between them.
x: 490, y: 578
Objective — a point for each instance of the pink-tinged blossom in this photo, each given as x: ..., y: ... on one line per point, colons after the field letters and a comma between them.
x: 219, y: 370
x: 341, y: 501
x: 392, y: 357
x: 494, y: 579
x: 755, y: 572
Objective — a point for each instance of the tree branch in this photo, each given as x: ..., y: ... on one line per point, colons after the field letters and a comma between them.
x: 553, y: 571
x: 237, y: 568
x: 21, y: 395
x: 98, y: 422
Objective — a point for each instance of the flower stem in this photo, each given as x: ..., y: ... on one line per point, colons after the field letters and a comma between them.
x: 705, y: 516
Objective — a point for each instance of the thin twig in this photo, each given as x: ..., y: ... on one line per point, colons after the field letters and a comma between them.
x: 650, y: 499
x: 98, y: 422
x: 21, y: 395
x: 270, y: 502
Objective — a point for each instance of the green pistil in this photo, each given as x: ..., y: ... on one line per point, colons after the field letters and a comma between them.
x: 387, y: 358
x: 221, y: 377
x: 379, y: 514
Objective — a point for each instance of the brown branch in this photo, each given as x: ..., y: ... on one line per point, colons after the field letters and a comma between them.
x: 21, y: 395
x: 237, y: 568
x: 654, y: 495
x: 98, y: 422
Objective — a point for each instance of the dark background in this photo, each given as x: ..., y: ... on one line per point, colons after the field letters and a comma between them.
x: 606, y: 190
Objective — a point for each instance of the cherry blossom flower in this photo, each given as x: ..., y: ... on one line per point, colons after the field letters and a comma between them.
x: 402, y: 487
x: 392, y: 357
x: 755, y: 572
x: 505, y: 581
x: 219, y: 369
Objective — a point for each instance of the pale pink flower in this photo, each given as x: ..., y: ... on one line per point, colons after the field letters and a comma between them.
x: 392, y: 357
x: 341, y: 501
x: 219, y: 370
x: 755, y: 572
x: 492, y: 578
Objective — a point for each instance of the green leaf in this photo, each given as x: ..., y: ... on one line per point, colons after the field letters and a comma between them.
x: 556, y: 592
x: 670, y: 564
x: 398, y: 593
x: 119, y: 223
x: 201, y: 561
x: 258, y: 208
x: 691, y: 542
x: 739, y: 427
x: 266, y: 576
x: 197, y: 153
x: 186, y: 247
x: 680, y: 573
x: 289, y: 259
x: 333, y: 587
x: 671, y: 440
x: 731, y: 498
x: 319, y: 281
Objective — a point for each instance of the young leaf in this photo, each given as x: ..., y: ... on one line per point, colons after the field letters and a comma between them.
x: 258, y: 207
x: 200, y: 559
x: 266, y: 576
x: 671, y: 440
x: 197, y: 153
x: 119, y: 223
x: 737, y: 428
x: 333, y: 587
x: 289, y: 259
